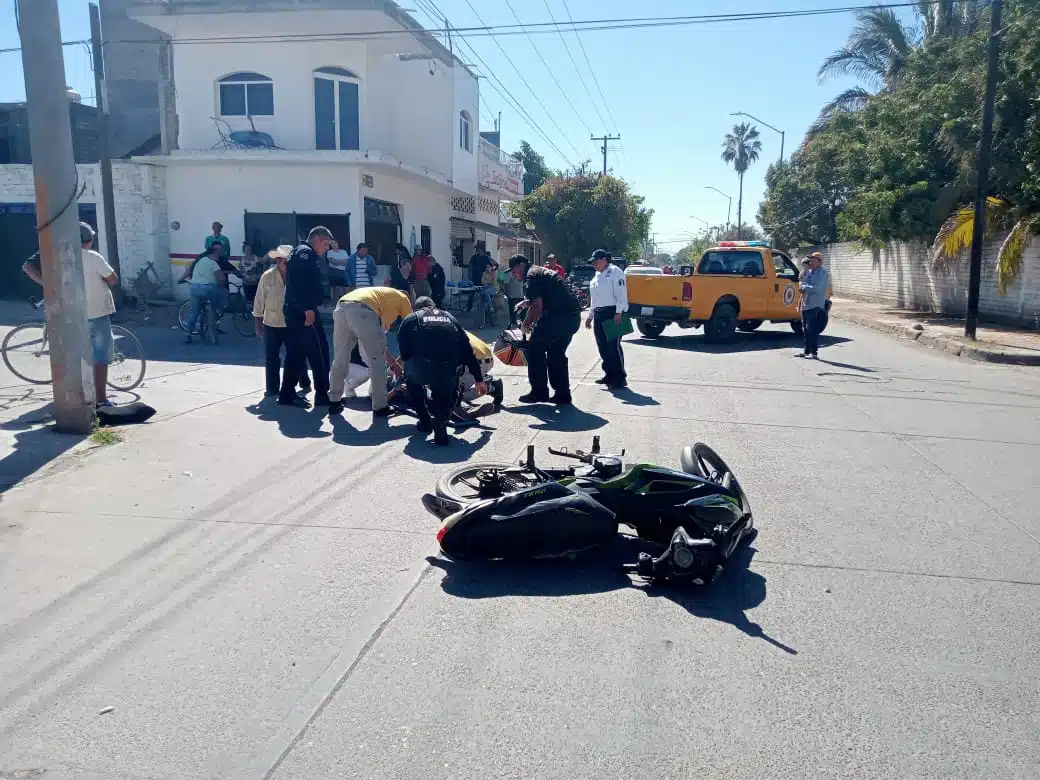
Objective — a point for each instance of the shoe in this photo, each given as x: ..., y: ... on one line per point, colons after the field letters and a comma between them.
x: 299, y: 403
x: 561, y: 400
x: 801, y: 354
x: 603, y: 380
x: 533, y: 398
x: 335, y: 407
x: 386, y: 411
x: 813, y: 356
x: 106, y: 404
x: 424, y: 426
x: 322, y: 399
x: 440, y: 435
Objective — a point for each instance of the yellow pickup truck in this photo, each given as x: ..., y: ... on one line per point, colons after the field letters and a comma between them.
x: 736, y: 285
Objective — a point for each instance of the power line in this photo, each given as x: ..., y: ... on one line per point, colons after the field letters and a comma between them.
x: 533, y: 28
x: 592, y: 70
x: 524, y: 81
x: 552, y: 75
x: 574, y: 62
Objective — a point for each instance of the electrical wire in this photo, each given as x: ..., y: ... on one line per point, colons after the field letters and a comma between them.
x: 574, y: 63
x: 524, y: 81
x: 535, y: 28
x: 595, y: 79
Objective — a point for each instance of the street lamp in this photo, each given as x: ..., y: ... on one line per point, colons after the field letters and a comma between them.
x: 774, y: 129
x: 702, y: 221
x: 729, y: 209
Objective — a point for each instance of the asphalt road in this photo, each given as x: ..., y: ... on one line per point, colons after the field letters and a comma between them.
x: 250, y: 590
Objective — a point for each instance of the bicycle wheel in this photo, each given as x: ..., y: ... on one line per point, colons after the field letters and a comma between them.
x: 184, y: 316
x: 126, y: 371
x: 26, y: 353
x: 243, y: 323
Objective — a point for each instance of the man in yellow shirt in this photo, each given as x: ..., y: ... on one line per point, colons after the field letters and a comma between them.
x: 364, y: 316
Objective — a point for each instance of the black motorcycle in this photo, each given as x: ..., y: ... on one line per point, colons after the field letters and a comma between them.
x: 698, y: 515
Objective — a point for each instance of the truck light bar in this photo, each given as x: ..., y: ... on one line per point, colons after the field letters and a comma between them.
x: 743, y: 243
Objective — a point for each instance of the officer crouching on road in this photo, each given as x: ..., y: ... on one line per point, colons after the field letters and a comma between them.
x: 433, y: 348
x: 608, y: 297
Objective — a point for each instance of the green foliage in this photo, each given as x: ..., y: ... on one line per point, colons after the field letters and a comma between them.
x: 578, y: 214
x: 899, y: 164
x: 535, y: 170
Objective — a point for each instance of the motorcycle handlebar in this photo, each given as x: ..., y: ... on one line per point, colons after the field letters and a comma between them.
x: 584, y: 457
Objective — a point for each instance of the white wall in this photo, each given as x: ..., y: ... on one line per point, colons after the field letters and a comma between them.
x: 466, y: 164
x: 902, y: 275
x: 419, y: 206
x: 140, y: 209
x: 405, y: 111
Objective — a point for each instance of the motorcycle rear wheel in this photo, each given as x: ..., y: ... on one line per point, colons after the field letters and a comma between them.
x: 459, y: 484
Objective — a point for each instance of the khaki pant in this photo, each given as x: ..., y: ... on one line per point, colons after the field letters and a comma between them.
x: 354, y: 323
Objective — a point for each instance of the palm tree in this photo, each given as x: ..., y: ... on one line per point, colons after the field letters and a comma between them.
x: 955, y: 236
x: 741, y: 148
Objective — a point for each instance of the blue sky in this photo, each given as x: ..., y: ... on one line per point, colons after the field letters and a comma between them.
x: 670, y: 90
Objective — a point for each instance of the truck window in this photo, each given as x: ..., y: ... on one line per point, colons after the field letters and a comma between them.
x: 733, y: 263
x: 783, y: 266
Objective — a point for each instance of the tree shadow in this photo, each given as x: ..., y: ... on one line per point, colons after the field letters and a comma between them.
x: 742, y: 342
x: 559, y: 418
x: 736, y: 591
x: 36, y: 443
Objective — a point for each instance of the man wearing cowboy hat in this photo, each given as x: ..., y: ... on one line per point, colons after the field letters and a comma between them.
x: 269, y: 319
x: 814, y: 286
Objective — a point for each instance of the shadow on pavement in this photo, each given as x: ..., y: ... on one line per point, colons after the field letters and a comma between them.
x: 737, y: 590
x: 630, y: 397
x: 421, y: 447
x: 742, y: 342
x: 559, y: 418
x: 36, y: 443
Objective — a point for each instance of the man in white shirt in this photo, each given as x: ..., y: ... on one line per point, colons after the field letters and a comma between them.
x: 608, y: 297
x: 337, y: 259
x: 99, y: 278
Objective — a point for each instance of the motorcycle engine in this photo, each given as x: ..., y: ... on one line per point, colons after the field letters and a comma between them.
x: 607, y: 466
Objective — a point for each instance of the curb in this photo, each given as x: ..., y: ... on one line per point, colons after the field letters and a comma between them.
x: 943, y: 343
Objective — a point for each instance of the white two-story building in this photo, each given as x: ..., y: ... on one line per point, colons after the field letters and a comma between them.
x: 344, y: 113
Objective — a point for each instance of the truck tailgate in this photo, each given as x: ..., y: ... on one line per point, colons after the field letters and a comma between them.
x: 659, y: 297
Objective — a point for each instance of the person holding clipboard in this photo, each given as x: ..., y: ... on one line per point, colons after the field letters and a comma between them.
x: 608, y: 318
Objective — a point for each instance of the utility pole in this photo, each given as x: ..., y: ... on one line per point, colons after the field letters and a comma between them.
x: 604, y: 139
x: 108, y: 204
x: 971, y: 321
x: 54, y: 171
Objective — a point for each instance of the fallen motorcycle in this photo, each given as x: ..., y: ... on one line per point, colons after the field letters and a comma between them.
x: 698, y: 515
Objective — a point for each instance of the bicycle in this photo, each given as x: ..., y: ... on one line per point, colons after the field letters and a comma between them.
x: 483, y: 308
x: 25, y: 353
x: 237, y: 306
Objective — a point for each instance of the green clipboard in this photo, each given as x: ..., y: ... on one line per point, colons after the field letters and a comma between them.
x: 615, y: 331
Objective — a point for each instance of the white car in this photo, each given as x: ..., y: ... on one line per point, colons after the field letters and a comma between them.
x: 651, y: 270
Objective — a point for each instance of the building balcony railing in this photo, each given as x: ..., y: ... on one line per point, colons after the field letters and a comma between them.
x: 500, y: 172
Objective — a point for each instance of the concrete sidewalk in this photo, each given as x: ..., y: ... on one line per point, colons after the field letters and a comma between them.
x: 995, y: 344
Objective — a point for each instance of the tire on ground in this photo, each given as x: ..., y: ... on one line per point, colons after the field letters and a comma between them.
x: 723, y: 323
x: 650, y: 329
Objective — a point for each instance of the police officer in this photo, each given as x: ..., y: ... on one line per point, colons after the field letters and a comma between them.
x: 608, y: 297
x: 305, y: 340
x: 553, y: 317
x: 433, y: 348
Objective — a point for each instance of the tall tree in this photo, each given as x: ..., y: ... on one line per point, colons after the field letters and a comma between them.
x: 741, y: 148
x: 578, y: 214
x: 535, y: 170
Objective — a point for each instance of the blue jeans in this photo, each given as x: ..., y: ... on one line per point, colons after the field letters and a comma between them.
x: 214, y: 293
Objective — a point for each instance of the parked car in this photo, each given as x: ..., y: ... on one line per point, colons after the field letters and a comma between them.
x: 651, y: 270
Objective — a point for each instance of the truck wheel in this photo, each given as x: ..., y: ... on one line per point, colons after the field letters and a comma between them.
x: 651, y: 330
x: 749, y: 325
x: 722, y: 325
x: 796, y: 326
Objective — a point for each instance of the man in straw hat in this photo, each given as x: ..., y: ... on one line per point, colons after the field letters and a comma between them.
x: 814, y: 287
x: 269, y: 319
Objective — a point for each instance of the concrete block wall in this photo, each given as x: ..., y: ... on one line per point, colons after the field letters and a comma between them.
x: 901, y: 275
x: 140, y: 209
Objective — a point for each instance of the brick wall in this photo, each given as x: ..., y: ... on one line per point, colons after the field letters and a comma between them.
x: 140, y: 209
x: 902, y: 275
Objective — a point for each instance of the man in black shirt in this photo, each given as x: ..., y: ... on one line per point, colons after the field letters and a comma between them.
x: 433, y: 348
x: 305, y: 335
x: 553, y: 317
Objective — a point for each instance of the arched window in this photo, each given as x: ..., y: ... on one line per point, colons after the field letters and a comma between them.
x: 337, y: 109
x: 465, y: 131
x: 246, y: 94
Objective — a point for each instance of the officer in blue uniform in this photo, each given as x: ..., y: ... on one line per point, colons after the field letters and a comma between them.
x: 608, y: 296
x: 305, y: 335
